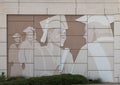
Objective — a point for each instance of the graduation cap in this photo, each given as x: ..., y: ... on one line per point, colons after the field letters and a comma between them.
x: 16, y: 35
x: 52, y: 22
x: 29, y: 29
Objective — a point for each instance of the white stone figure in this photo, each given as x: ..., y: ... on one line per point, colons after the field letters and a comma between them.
x: 14, y: 66
x: 52, y: 29
x: 28, y: 49
x: 96, y: 48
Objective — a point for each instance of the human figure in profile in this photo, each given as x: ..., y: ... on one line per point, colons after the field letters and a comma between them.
x: 75, y: 41
x: 14, y: 66
x: 52, y: 31
x: 96, y: 49
x: 28, y: 49
x: 55, y: 30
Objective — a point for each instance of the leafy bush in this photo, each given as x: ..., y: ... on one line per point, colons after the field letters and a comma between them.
x: 73, y: 79
x: 63, y: 79
x: 96, y: 81
x: 15, y: 82
x: 15, y: 78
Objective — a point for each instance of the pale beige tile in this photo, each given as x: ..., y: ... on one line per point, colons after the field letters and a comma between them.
x: 117, y: 17
x: 3, y: 71
x: 105, y: 76
x: 111, y: 8
x: 116, y: 56
x: 46, y: 63
x: 47, y: 8
x: 51, y: 1
x: 100, y: 63
x: 29, y: 70
x: 116, y: 28
x: 6, y: 1
x: 50, y: 49
x: 90, y: 8
x: 98, y: 1
x: 3, y: 20
x: 67, y: 56
x: 116, y: 70
x: 80, y: 69
x: 60, y: 8
x: 116, y: 80
x: 3, y: 49
x: 103, y: 49
x: 90, y: 1
x: 8, y: 8
x: 39, y: 73
x: 111, y: 1
x: 117, y: 42
x: 100, y: 35
x: 3, y: 63
x: 33, y: 8
x: 3, y: 35
x: 82, y: 57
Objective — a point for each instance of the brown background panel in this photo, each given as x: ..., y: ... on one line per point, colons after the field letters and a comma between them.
x: 14, y: 27
x: 74, y: 53
x: 17, y: 70
x: 13, y: 55
x: 20, y: 18
x: 72, y: 17
x: 112, y: 27
x: 10, y: 41
x: 39, y: 34
x: 37, y: 20
x: 75, y: 42
x: 76, y: 28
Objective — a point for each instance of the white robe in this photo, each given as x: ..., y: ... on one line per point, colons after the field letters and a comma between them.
x: 15, y: 69
x: 26, y: 56
x: 48, y: 60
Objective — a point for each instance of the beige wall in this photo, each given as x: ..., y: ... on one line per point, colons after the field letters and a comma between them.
x: 69, y: 7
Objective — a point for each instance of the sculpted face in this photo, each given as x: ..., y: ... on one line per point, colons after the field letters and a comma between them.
x: 17, y: 39
x: 29, y: 36
x: 57, y: 36
x: 63, y: 37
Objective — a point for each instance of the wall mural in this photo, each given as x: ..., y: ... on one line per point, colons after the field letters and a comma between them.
x: 54, y: 44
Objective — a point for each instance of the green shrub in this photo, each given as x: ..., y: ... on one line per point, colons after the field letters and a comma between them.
x: 63, y: 79
x: 96, y: 81
x: 15, y: 82
x: 20, y: 82
x: 15, y: 78
x: 45, y: 80
x: 69, y: 79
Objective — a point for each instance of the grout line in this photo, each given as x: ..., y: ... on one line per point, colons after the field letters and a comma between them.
x: 47, y: 11
x: 100, y: 70
x: 75, y: 7
x: 34, y: 49
x: 18, y: 6
x: 87, y: 48
x: 7, y: 47
x: 69, y: 2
